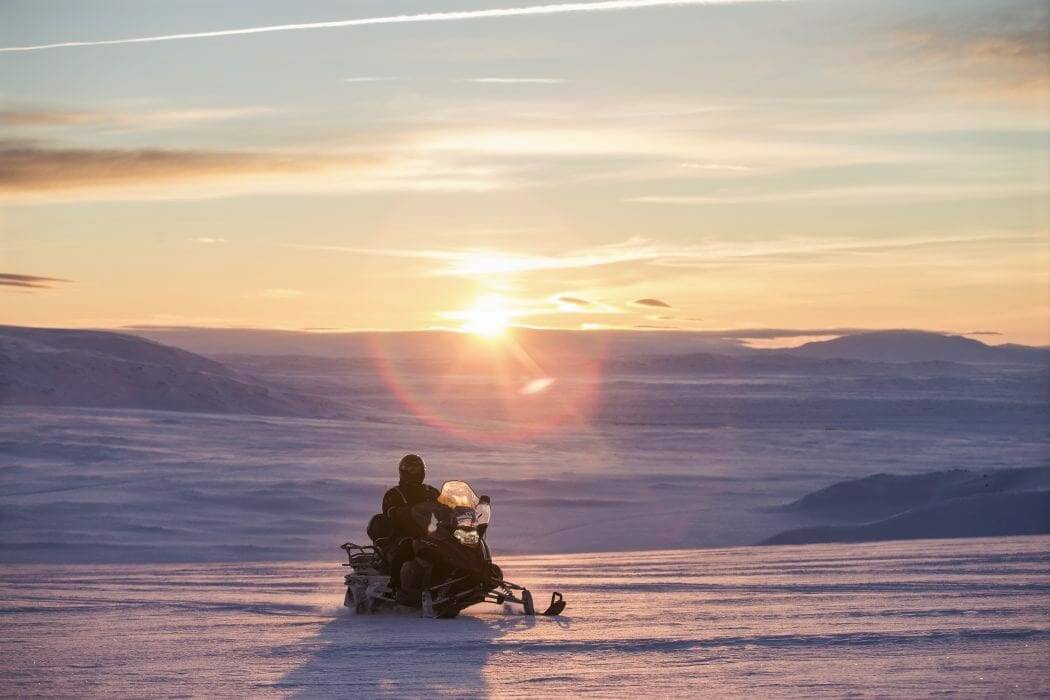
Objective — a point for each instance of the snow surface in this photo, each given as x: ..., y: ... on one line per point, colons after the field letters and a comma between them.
x: 93, y: 485
x: 969, y: 617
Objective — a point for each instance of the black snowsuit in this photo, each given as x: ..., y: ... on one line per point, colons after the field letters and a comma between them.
x: 397, y: 507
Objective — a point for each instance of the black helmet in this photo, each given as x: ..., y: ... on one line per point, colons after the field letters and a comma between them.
x: 412, y: 469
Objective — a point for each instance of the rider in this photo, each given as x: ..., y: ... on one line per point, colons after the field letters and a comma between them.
x: 397, y: 507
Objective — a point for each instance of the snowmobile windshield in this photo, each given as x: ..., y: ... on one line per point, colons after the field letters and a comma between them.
x: 458, y: 494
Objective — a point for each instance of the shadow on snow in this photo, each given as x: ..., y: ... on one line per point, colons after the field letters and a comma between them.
x: 401, y: 654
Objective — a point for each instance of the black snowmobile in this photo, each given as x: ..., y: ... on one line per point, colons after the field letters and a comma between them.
x: 452, y: 568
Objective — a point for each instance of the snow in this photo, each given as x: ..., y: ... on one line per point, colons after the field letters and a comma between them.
x: 92, y: 485
x: 155, y: 552
x: 56, y: 367
x: 955, y: 503
x: 981, y: 515
x: 900, y: 619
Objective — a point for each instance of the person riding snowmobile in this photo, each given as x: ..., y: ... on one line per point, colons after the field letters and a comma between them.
x: 397, y: 507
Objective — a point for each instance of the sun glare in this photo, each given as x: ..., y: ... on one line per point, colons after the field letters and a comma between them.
x: 489, y: 318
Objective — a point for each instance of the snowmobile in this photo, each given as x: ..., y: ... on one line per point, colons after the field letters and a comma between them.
x: 452, y: 567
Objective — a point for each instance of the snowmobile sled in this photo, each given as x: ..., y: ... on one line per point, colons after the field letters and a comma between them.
x: 451, y: 569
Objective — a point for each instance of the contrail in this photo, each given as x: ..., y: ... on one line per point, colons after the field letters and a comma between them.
x: 572, y: 7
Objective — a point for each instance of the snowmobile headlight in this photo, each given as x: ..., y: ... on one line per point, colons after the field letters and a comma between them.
x: 467, y: 537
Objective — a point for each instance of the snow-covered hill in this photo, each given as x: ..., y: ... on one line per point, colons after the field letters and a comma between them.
x: 900, y: 619
x: 981, y: 515
x: 53, y: 367
x: 919, y: 346
x: 954, y: 503
x: 885, y: 495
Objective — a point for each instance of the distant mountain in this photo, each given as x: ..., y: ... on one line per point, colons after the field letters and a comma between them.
x: 955, y: 503
x: 57, y: 367
x: 917, y: 346
x: 611, y: 345
x: 432, y: 344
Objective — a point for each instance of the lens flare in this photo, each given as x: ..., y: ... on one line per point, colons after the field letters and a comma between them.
x: 525, y: 385
x: 538, y: 386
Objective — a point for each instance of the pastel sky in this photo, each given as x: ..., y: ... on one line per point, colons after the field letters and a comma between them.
x: 696, y: 165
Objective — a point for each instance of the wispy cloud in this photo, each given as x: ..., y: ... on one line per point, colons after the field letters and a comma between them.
x: 484, y: 263
x: 32, y: 172
x: 716, y: 167
x: 518, y: 81
x: 889, y: 193
x: 480, y: 263
x: 36, y: 117
x: 573, y: 301
x: 32, y: 169
x: 998, y: 54
x: 453, y: 16
x: 371, y: 79
x: 8, y: 279
x: 49, y: 117
x: 652, y: 303
x: 206, y: 240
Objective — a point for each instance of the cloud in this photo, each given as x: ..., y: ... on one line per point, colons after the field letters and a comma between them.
x: 776, y: 333
x: 906, y: 192
x: 8, y: 279
x: 32, y: 172
x: 28, y: 169
x: 1000, y: 54
x: 206, y: 240
x: 573, y: 301
x: 658, y: 303
x: 48, y: 117
x: 480, y: 263
x: 637, y: 250
x: 718, y: 167
x: 518, y: 81
x: 42, y: 117
x: 370, y: 79
x: 452, y: 16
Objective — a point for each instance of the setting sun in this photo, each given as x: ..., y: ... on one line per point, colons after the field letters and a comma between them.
x: 489, y: 318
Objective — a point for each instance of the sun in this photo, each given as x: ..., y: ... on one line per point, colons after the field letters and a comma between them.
x: 489, y: 317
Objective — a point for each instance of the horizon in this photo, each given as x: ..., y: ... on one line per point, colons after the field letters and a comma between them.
x: 733, y: 338
x: 483, y: 165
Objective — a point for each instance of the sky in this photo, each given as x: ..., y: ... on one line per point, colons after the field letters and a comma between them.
x: 396, y: 164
